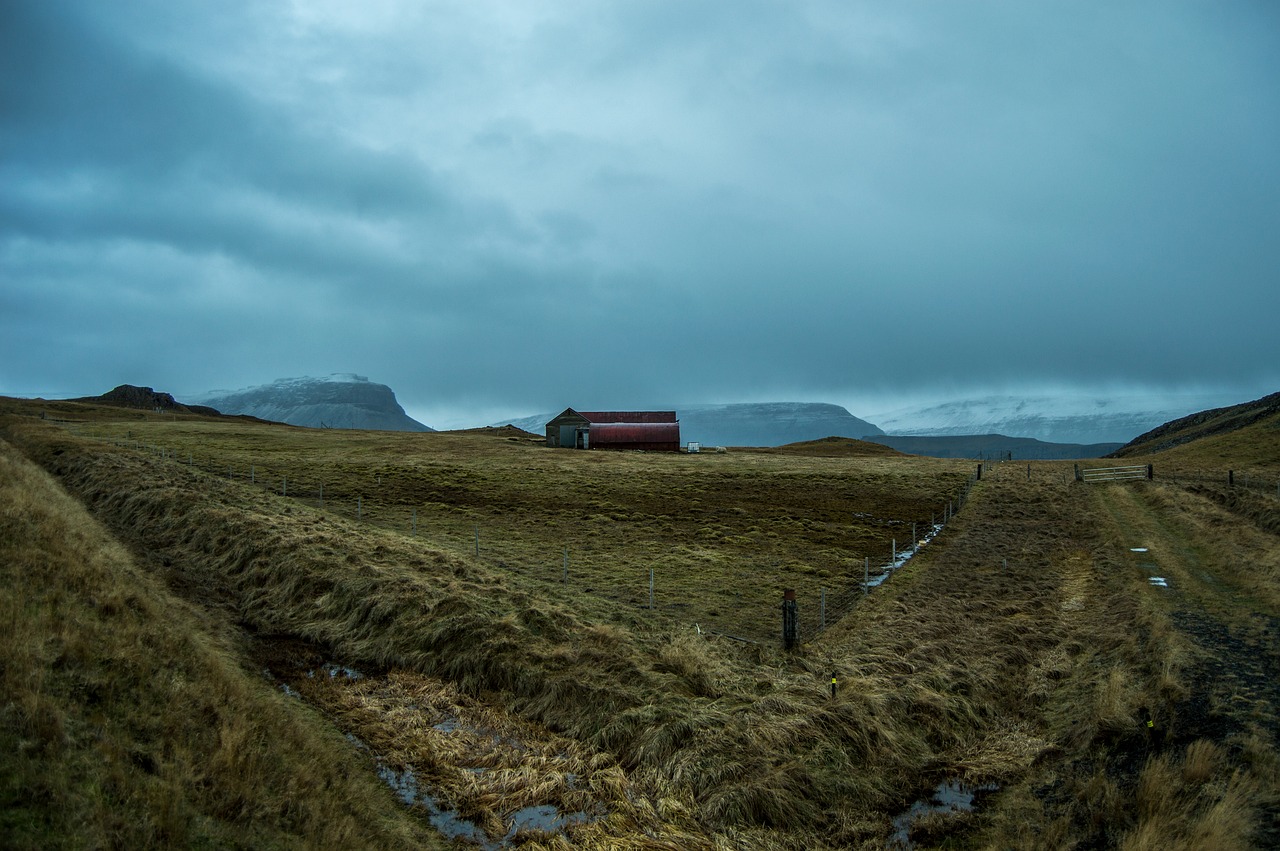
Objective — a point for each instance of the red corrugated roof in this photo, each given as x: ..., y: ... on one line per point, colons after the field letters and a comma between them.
x: 629, y: 416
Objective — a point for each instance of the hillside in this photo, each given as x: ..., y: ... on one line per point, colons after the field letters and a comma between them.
x: 128, y: 721
x: 341, y: 400
x: 473, y: 612
x: 1213, y: 423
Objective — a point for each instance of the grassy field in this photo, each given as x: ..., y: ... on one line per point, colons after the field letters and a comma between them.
x: 1025, y: 651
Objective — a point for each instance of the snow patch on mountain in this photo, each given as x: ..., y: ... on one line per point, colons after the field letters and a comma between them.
x: 340, y: 400
x: 1054, y: 419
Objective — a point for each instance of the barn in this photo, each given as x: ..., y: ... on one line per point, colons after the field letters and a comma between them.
x: 654, y: 431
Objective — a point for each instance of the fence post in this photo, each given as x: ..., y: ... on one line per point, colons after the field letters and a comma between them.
x: 478, y: 542
x: 1231, y: 477
x: 253, y: 475
x: 284, y: 485
x: 414, y: 523
x: 359, y: 507
x: 565, y: 580
x: 866, y: 575
x: 322, y: 494
x: 822, y: 616
x: 790, y: 619
x: 651, y: 589
x: 1151, y: 472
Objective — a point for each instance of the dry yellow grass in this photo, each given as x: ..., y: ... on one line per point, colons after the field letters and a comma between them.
x: 126, y: 724
x: 1021, y: 648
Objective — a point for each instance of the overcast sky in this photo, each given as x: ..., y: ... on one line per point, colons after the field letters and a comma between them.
x: 507, y: 207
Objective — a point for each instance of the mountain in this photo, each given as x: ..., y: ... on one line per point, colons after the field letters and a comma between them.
x: 1054, y: 419
x: 341, y: 400
x: 1216, y: 422
x: 749, y: 423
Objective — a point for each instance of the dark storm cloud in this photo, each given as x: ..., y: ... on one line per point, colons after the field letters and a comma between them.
x: 497, y: 205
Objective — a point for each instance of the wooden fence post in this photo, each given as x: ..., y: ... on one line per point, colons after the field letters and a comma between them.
x: 790, y: 619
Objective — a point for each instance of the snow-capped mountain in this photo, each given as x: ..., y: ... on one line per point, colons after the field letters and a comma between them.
x: 1055, y: 419
x: 748, y: 423
x: 341, y: 400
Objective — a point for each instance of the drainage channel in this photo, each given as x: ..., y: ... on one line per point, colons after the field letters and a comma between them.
x: 403, y: 780
x: 901, y: 557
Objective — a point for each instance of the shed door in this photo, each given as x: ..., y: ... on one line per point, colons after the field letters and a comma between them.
x: 568, y: 436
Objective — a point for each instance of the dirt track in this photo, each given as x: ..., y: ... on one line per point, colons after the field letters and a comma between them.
x: 1230, y: 625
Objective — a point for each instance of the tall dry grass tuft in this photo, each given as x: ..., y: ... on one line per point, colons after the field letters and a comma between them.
x: 125, y: 725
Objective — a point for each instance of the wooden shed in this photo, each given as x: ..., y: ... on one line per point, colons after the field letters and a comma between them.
x: 654, y: 431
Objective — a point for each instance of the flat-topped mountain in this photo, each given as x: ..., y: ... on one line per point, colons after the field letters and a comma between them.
x: 1067, y: 418
x: 341, y: 400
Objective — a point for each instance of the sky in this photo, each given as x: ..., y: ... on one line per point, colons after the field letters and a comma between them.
x: 504, y: 208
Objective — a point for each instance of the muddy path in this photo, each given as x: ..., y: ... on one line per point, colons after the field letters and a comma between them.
x: 1219, y: 597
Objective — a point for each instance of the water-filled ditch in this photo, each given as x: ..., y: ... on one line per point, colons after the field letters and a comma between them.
x: 950, y: 801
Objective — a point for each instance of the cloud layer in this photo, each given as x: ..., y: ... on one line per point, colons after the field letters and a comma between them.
x: 493, y: 207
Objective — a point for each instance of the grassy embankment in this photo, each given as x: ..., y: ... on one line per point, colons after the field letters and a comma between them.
x: 127, y: 720
x: 1022, y: 649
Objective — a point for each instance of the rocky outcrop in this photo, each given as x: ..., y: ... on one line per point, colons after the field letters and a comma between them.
x: 143, y: 399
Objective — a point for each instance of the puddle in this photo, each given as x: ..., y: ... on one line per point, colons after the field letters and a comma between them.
x: 543, y: 817
x: 452, y: 725
x: 451, y: 825
x: 336, y: 671
x: 1137, y: 549
x: 540, y: 817
x: 951, y: 796
x: 1159, y: 581
x: 901, y: 557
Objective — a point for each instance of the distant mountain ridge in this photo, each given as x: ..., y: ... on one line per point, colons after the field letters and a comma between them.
x: 340, y: 400
x: 1072, y: 419
x: 1210, y: 423
x: 749, y: 423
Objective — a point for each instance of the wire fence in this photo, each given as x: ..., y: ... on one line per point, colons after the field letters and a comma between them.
x: 816, y: 611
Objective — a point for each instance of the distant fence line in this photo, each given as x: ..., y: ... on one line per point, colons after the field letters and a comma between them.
x: 816, y: 611
x: 829, y: 604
